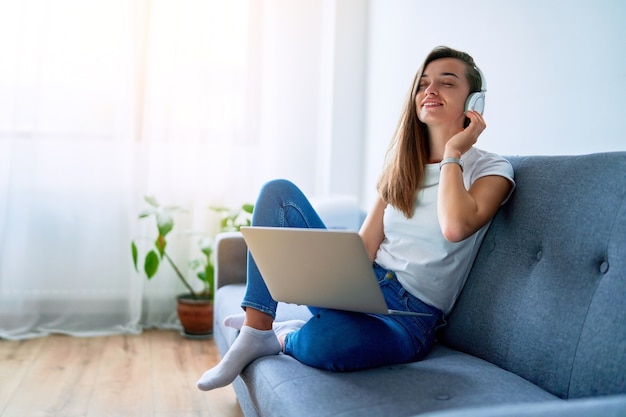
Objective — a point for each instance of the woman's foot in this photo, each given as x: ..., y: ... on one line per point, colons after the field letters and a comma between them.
x: 235, y: 321
x: 249, y: 345
x: 282, y: 328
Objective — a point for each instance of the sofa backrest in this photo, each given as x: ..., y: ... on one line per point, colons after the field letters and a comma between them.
x: 546, y: 296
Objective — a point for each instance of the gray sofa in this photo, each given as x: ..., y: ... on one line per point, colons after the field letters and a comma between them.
x: 539, y: 329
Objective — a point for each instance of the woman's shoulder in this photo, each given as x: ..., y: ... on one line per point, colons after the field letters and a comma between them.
x: 483, y: 162
x: 475, y: 154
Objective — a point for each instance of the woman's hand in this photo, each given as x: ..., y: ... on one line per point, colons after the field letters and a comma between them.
x: 463, y: 141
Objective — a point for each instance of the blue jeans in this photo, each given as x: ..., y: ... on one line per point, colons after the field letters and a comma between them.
x: 333, y: 339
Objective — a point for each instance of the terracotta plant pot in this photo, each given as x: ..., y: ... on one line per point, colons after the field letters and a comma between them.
x: 195, y: 315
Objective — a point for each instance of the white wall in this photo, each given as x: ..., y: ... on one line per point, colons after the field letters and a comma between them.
x: 555, y: 70
x: 311, y: 58
x: 311, y: 102
x: 290, y: 78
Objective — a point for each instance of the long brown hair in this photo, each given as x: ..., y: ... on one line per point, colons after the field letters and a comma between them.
x: 409, y: 150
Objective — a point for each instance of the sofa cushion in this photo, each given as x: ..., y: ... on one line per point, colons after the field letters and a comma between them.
x: 281, y: 386
x: 545, y: 297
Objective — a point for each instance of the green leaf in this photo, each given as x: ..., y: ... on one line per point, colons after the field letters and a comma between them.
x: 207, y: 250
x: 195, y: 263
x: 172, y: 208
x: 133, y: 248
x: 151, y: 266
x: 151, y: 200
x: 210, y: 278
x: 165, y: 222
x: 160, y: 244
x: 219, y: 209
x: 248, y: 208
x: 147, y: 212
x: 206, y: 246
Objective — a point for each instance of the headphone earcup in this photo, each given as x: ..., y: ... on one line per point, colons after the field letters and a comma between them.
x: 476, y: 102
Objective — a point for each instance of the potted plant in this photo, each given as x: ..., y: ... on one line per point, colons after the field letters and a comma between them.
x: 194, y: 307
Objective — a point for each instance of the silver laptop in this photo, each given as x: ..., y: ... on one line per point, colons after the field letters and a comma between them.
x: 317, y: 267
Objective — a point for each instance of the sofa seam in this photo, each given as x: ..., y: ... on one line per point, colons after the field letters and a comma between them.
x: 593, y: 296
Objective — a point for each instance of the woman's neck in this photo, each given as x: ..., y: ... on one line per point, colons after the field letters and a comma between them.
x: 438, y: 136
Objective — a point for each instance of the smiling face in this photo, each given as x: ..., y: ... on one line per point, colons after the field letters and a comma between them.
x: 442, y: 93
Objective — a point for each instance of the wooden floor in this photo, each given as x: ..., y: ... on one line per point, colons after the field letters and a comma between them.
x: 153, y: 374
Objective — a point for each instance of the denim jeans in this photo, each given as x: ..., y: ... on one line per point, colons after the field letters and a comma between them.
x: 333, y: 339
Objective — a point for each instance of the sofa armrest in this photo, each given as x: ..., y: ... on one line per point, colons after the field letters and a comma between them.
x: 231, y: 259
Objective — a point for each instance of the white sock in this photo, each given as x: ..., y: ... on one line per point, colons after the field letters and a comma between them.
x: 249, y: 345
x: 235, y: 321
x: 281, y: 328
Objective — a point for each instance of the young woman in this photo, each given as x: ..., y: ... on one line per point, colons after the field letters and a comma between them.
x: 436, y: 197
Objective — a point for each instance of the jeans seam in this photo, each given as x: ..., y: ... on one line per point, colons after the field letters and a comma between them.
x: 295, y: 206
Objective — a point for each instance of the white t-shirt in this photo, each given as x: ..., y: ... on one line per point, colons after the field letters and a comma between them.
x: 426, y: 264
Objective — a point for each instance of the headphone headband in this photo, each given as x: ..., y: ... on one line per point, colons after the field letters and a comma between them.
x: 483, y: 82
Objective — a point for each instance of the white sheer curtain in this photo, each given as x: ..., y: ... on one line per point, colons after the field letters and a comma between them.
x: 102, y: 102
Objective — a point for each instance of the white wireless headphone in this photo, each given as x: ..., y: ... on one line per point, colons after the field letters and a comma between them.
x: 476, y: 100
